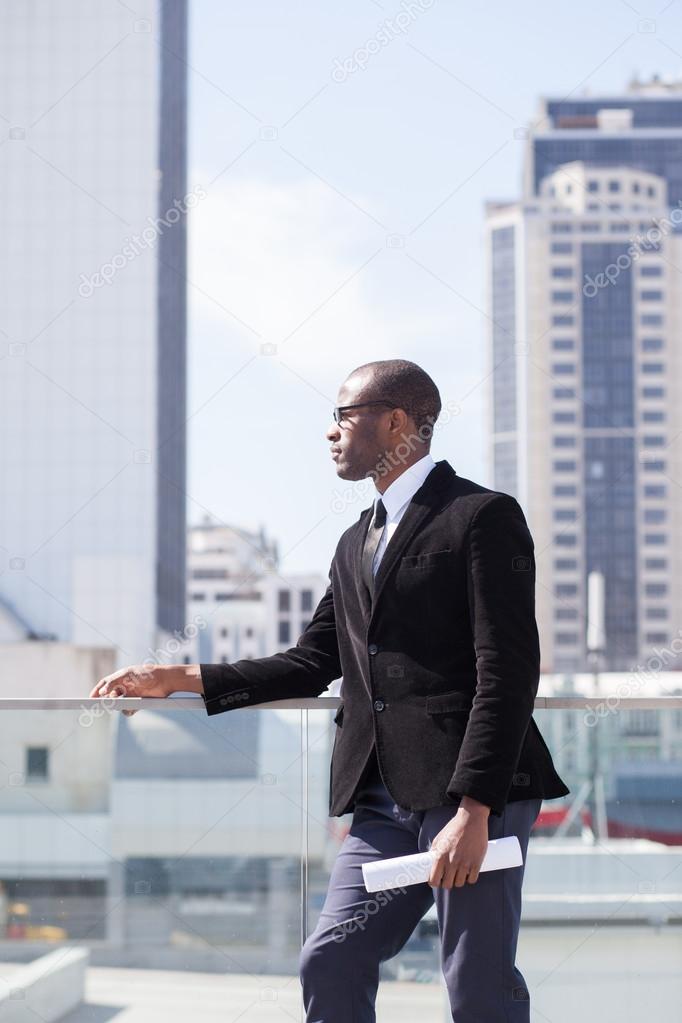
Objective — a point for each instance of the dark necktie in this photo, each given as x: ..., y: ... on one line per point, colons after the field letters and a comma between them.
x: 374, y: 532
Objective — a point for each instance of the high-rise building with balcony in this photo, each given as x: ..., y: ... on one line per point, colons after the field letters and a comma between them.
x: 585, y: 302
x: 93, y: 339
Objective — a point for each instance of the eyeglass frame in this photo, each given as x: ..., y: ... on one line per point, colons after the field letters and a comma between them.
x: 363, y: 404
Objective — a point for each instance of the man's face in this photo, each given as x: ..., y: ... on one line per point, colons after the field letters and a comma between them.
x: 363, y: 436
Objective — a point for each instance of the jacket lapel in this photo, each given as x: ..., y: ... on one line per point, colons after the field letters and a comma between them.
x: 419, y: 507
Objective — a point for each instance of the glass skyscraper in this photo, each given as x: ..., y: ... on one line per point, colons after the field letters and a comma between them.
x: 92, y: 349
x: 585, y: 303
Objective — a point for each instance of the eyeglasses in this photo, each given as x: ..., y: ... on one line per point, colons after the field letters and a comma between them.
x: 341, y: 410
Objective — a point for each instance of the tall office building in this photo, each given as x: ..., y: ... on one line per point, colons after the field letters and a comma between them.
x: 586, y: 309
x: 92, y: 344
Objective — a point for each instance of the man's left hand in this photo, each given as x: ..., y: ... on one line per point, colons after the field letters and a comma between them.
x: 461, y: 846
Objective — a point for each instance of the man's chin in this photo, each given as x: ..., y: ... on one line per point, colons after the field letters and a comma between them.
x: 344, y: 472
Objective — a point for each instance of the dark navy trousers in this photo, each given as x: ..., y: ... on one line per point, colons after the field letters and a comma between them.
x: 357, y: 931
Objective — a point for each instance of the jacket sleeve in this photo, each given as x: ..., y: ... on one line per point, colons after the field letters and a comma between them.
x: 501, y: 582
x: 306, y: 669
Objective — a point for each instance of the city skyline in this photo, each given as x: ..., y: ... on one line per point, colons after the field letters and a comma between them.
x: 313, y: 179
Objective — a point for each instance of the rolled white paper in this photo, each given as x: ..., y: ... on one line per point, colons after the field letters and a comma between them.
x: 380, y: 875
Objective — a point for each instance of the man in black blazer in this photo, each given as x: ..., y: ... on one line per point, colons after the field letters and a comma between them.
x: 429, y: 618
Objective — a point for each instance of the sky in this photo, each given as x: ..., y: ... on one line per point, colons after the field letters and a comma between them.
x: 346, y: 152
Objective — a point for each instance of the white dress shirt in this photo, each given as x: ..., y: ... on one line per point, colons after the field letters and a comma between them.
x: 396, y: 498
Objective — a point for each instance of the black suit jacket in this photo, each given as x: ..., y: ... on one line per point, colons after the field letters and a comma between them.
x: 440, y: 669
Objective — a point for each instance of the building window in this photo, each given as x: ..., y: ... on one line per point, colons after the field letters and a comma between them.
x: 564, y: 466
x: 561, y: 248
x: 654, y: 516
x: 565, y: 490
x: 653, y: 466
x: 562, y: 271
x: 284, y: 631
x: 651, y: 270
x: 652, y: 367
x: 561, y: 227
x: 592, y: 185
x: 284, y: 600
x: 640, y: 722
x: 655, y: 490
x: 564, y: 392
x: 564, y: 417
x: 652, y: 344
x: 566, y: 590
x: 248, y: 632
x: 564, y: 441
x: 565, y: 539
x: 304, y: 624
x: 562, y: 320
x: 566, y: 638
x: 566, y: 614
x: 37, y: 763
x: 563, y: 344
x: 198, y: 596
x: 653, y: 392
x: 563, y: 368
x: 656, y: 637
x: 654, y: 539
x: 653, y: 442
x: 565, y: 515
x: 651, y: 320
x: 224, y: 632
x: 651, y: 296
x: 566, y: 565
x: 655, y: 564
x: 654, y: 614
x: 656, y: 589
x: 562, y: 296
x: 306, y: 600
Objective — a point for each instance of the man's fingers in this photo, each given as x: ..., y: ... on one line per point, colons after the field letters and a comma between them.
x: 461, y: 876
x: 473, y: 876
x: 437, y: 872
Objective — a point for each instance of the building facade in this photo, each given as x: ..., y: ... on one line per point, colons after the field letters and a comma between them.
x: 92, y: 286
x: 240, y: 604
x: 585, y: 303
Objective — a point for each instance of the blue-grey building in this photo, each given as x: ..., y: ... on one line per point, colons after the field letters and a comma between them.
x: 585, y: 300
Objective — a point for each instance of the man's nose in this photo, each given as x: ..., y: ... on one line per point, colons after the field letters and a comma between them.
x: 333, y: 433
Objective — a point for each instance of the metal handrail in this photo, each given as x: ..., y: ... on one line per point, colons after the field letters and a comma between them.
x: 609, y: 700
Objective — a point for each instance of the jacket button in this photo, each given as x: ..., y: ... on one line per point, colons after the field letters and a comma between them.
x: 379, y: 704
x: 373, y: 648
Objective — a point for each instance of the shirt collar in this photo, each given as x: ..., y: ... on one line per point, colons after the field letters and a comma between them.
x: 405, y: 486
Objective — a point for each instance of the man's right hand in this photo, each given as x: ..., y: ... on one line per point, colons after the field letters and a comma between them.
x: 141, y: 680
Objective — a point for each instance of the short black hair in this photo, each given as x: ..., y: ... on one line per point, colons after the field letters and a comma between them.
x: 404, y: 385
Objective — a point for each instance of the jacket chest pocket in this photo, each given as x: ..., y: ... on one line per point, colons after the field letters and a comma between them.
x: 422, y: 577
x: 428, y: 561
